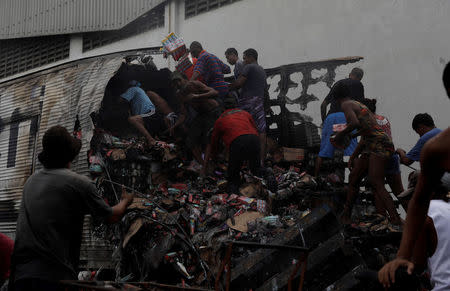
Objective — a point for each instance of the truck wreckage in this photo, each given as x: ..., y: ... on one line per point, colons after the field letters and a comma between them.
x: 183, y: 231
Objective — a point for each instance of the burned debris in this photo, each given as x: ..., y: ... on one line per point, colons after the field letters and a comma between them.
x: 187, y: 230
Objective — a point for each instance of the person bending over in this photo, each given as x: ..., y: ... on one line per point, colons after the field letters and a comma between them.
x: 423, y: 125
x: 376, y: 142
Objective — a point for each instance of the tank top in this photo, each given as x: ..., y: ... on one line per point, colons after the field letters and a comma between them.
x: 368, y: 122
x: 439, y: 262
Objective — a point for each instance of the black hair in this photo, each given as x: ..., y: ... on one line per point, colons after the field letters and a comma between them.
x: 446, y: 79
x: 195, y: 45
x: 358, y: 73
x: 371, y: 104
x: 59, y: 148
x: 251, y: 53
x: 340, y: 90
x: 422, y: 119
x: 231, y: 51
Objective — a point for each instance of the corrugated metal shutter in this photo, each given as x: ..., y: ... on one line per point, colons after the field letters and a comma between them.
x: 31, y: 105
x: 28, y: 18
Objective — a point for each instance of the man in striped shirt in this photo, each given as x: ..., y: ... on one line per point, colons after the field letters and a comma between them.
x: 210, y: 68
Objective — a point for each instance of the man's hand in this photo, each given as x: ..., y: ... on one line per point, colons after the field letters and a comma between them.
x: 387, y: 274
x: 128, y: 197
x: 399, y: 150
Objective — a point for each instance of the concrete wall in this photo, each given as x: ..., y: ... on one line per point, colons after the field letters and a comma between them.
x: 405, y: 45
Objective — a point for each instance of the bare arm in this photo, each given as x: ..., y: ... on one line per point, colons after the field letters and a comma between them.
x: 208, y: 92
x: 430, y: 175
x: 118, y: 210
x: 159, y: 102
x: 239, y: 83
x: 352, y: 120
x: 356, y: 153
x: 403, y: 158
x: 435, y: 159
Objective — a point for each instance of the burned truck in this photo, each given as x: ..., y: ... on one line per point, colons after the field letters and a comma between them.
x: 185, y: 230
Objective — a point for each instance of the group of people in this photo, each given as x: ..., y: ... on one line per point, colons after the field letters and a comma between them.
x: 204, y: 97
x: 55, y: 199
x: 426, y: 235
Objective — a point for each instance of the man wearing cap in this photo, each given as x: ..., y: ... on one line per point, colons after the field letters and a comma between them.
x: 54, y: 202
x: 237, y: 129
x: 201, y: 98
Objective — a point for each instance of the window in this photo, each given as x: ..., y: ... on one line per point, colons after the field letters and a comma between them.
x: 151, y: 20
x: 20, y: 55
x: 195, y: 7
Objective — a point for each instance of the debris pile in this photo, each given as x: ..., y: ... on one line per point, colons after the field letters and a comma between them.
x: 176, y: 229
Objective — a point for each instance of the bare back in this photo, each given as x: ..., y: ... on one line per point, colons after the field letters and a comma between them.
x: 200, y: 105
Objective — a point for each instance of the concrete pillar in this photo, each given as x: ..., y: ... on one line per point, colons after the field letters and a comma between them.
x: 76, y: 46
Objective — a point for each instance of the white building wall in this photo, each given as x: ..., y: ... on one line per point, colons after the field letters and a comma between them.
x: 405, y: 45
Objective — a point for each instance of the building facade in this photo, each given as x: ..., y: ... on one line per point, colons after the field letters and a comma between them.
x: 403, y: 43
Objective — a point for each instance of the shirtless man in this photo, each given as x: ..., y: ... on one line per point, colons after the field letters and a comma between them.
x: 434, y: 162
x: 202, y: 99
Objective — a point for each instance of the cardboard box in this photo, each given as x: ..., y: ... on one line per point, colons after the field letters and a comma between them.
x: 293, y: 154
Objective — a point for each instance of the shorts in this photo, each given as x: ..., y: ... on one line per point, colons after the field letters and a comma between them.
x: 148, y: 114
x: 326, y: 148
x: 393, y: 167
x: 154, y: 123
x: 255, y: 106
x: 380, y: 145
x: 198, y: 133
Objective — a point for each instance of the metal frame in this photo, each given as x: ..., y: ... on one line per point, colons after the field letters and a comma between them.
x: 302, y: 262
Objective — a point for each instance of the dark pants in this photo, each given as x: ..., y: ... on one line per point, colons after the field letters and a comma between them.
x: 35, y: 284
x: 246, y: 147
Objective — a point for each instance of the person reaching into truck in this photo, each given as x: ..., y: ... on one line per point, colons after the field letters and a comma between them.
x: 147, y: 118
x: 253, y: 81
x: 359, y: 162
x: 335, y: 118
x: 201, y: 98
x: 237, y: 129
x: 54, y: 202
x: 377, y: 144
x: 210, y: 70
x: 423, y: 125
x: 232, y: 57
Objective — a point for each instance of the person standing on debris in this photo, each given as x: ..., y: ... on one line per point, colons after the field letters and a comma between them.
x: 423, y: 125
x: 237, y: 129
x: 50, y: 223
x: 210, y: 68
x: 336, y: 117
x: 253, y: 81
x: 434, y: 163
x: 358, y: 164
x: 376, y: 142
x: 202, y: 99
x: 233, y: 59
x: 142, y: 111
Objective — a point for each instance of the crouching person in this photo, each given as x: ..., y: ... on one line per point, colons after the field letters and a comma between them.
x: 143, y: 112
x: 237, y: 129
x: 50, y: 223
